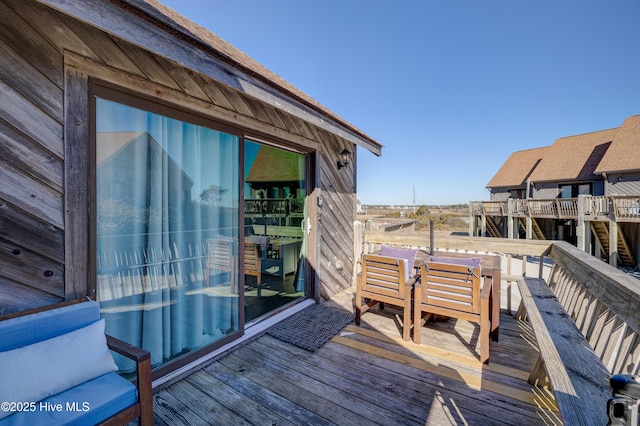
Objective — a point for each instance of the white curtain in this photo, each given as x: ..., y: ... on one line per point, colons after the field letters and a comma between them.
x: 164, y: 188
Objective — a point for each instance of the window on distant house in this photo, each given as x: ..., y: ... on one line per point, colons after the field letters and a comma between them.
x: 584, y: 189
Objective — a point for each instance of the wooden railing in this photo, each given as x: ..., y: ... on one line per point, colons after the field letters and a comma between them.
x: 602, y: 300
x: 557, y: 208
x: 274, y: 206
x: 521, y: 207
x: 621, y: 208
x: 133, y: 271
x: 597, y: 206
x: 498, y: 208
x: 626, y: 208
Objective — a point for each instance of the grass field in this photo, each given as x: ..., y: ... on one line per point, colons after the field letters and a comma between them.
x: 448, y: 219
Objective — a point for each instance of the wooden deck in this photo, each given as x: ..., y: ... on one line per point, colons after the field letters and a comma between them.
x: 367, y: 375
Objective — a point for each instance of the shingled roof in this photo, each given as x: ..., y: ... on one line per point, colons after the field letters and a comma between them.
x: 624, y: 153
x: 290, y: 166
x: 579, y: 157
x: 518, y: 167
x: 568, y: 157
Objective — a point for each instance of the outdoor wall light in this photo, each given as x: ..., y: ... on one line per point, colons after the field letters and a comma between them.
x: 344, y: 158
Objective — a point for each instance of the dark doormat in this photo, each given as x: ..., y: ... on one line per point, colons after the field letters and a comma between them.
x: 312, y: 327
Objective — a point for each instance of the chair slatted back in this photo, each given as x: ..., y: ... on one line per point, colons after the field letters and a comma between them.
x: 452, y: 287
x: 251, y: 259
x: 220, y: 255
x: 383, y: 275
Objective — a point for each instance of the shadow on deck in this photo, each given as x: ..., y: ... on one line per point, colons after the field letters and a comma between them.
x: 367, y: 375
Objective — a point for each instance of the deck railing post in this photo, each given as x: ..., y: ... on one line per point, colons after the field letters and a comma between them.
x: 580, y: 227
x: 613, y: 242
x: 432, y: 243
x: 510, y: 203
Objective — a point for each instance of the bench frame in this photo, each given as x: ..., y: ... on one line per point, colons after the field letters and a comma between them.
x: 566, y: 362
x: 143, y: 408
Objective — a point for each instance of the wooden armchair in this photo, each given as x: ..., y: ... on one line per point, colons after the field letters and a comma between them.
x: 221, y: 260
x: 68, y: 362
x: 252, y: 262
x: 454, y: 291
x: 385, y: 280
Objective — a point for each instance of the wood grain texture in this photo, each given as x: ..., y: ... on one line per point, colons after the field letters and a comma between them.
x: 576, y: 374
x: 367, y: 376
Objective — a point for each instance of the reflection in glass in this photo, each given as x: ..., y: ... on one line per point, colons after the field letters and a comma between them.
x: 167, y: 230
x: 274, y: 192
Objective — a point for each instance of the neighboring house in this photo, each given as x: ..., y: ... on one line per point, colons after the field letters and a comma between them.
x: 535, y: 194
x: 127, y: 138
x: 606, y: 162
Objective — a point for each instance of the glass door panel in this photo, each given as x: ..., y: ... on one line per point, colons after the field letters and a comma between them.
x: 274, y: 227
x: 167, y: 243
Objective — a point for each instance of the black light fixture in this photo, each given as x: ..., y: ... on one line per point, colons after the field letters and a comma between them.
x: 344, y: 158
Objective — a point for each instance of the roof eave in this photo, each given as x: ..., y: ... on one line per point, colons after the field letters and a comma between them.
x: 203, y: 58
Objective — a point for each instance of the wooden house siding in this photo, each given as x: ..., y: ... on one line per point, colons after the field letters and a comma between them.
x: 500, y: 195
x: 336, y: 223
x: 546, y: 191
x: 31, y: 144
x: 627, y: 184
x: 48, y: 60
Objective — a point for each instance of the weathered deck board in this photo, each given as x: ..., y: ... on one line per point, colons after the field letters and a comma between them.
x: 367, y: 375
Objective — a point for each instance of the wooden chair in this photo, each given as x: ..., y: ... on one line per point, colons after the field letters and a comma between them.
x: 385, y: 280
x: 453, y: 291
x: 252, y: 263
x: 221, y: 259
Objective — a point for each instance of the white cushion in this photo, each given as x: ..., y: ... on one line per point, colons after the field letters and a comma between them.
x: 34, y: 372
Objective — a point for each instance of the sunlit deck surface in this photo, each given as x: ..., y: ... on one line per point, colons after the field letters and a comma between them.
x: 367, y: 375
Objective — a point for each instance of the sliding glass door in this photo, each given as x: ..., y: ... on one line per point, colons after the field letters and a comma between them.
x: 167, y: 202
x: 274, y: 227
x: 191, y: 243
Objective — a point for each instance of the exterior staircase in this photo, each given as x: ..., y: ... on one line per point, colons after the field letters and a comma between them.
x: 625, y: 257
x: 536, y: 231
x: 492, y: 229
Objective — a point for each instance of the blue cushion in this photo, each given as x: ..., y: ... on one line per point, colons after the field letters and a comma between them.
x: 29, y: 329
x: 474, y: 262
x: 37, y: 371
x: 101, y: 397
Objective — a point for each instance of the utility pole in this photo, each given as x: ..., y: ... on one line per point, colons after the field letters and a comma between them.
x: 414, y: 199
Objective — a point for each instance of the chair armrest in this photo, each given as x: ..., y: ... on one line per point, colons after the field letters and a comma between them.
x: 123, y: 348
x: 414, y: 279
x: 142, y: 358
x: 486, y: 291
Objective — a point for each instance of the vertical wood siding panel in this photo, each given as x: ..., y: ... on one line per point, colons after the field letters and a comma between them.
x: 77, y: 178
x: 338, y: 214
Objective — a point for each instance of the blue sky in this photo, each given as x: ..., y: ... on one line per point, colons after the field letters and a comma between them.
x: 450, y: 87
